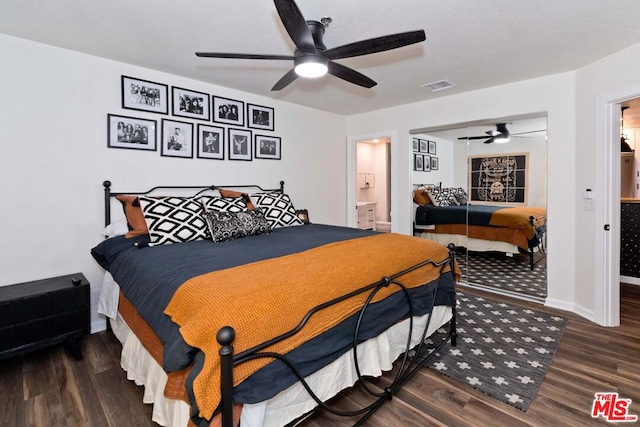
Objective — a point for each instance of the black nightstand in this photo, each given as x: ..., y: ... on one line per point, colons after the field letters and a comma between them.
x: 44, y: 312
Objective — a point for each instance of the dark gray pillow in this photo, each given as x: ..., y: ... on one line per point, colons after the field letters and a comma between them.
x: 225, y: 226
x: 460, y: 195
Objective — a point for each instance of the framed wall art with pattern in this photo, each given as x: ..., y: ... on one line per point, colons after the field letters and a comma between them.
x: 499, y: 179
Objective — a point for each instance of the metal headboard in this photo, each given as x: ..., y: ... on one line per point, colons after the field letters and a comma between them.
x: 418, y: 186
x: 108, y: 194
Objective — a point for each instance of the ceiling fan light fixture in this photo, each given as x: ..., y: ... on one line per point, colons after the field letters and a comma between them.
x: 311, y: 66
x: 501, y: 139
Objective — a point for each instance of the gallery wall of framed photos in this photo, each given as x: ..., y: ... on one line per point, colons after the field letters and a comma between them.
x: 424, y: 155
x: 227, y: 129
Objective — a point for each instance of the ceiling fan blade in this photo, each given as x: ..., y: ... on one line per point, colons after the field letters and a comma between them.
x: 352, y: 76
x: 243, y: 56
x: 285, y: 80
x: 472, y: 137
x: 296, y: 25
x: 489, y: 141
x: 378, y: 44
x: 531, y: 131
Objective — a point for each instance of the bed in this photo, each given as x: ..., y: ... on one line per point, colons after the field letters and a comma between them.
x: 477, y: 227
x: 236, y: 329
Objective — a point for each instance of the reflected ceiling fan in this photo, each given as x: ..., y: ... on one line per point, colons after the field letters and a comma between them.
x: 500, y: 135
x: 311, y: 57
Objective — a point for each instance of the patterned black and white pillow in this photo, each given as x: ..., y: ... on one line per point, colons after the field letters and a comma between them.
x: 224, y: 226
x: 223, y: 204
x: 460, y: 195
x: 442, y: 197
x: 278, y: 209
x: 173, y: 219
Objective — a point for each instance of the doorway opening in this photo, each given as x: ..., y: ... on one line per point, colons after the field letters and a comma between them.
x: 371, y: 176
x: 608, y: 205
x: 373, y: 184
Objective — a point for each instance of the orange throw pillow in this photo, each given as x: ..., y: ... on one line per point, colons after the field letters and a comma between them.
x: 421, y: 197
x: 232, y: 193
x: 135, y: 218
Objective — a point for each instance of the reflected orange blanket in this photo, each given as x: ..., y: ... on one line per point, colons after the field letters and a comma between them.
x: 265, y: 299
x: 517, y: 217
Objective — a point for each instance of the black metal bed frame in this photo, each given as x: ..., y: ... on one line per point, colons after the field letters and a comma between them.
x: 408, y: 365
x: 108, y: 194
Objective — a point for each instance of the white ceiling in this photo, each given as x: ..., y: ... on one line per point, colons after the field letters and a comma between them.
x: 473, y: 44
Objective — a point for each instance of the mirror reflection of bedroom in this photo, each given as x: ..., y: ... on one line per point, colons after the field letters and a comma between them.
x: 483, y: 186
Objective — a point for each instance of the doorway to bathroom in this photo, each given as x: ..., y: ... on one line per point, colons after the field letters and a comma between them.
x: 373, y: 184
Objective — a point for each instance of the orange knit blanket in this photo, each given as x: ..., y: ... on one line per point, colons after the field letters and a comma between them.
x: 517, y: 217
x: 265, y: 299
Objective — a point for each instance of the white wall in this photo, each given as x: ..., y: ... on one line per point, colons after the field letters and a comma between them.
x: 55, y: 157
x: 554, y: 95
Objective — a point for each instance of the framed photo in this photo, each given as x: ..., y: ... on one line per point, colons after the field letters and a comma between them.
x: 240, y: 144
x: 131, y: 132
x: 432, y: 147
x: 416, y: 144
x: 210, y: 142
x: 267, y: 147
x: 144, y: 95
x: 260, y: 117
x: 424, y: 146
x: 434, y: 163
x: 228, y: 111
x: 189, y: 103
x: 427, y: 163
x: 177, y: 139
x: 418, y: 162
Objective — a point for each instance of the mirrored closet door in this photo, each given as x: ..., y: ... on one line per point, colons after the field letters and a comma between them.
x: 483, y: 187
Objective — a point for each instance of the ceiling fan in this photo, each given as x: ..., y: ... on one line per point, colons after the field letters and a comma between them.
x: 311, y: 57
x: 500, y: 135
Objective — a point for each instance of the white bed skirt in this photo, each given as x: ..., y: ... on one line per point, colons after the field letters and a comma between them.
x: 470, y: 243
x: 374, y: 356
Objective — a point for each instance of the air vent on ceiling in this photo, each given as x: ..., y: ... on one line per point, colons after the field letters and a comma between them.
x: 436, y: 86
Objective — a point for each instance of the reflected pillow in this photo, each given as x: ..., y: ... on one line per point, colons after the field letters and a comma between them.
x: 421, y: 197
x: 460, y: 195
x: 442, y: 197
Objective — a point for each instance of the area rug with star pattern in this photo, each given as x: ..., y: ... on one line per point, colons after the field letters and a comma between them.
x: 503, y: 350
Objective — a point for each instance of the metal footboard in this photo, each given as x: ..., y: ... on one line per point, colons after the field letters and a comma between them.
x: 408, y: 366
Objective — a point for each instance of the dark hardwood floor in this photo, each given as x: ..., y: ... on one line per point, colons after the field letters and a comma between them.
x: 50, y: 388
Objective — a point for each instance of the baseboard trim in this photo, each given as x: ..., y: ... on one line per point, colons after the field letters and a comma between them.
x: 573, y: 308
x: 630, y: 280
x: 492, y: 290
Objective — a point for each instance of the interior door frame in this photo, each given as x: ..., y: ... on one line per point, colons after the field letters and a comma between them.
x: 352, y: 171
x: 607, y: 197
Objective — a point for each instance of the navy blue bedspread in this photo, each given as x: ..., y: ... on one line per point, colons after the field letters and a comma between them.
x: 149, y: 276
x: 475, y: 214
